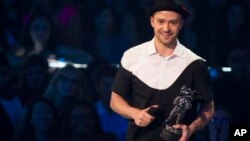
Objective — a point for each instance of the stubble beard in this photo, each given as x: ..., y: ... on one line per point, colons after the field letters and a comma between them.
x: 169, y: 43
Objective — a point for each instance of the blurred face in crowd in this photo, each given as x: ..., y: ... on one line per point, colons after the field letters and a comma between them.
x: 81, y: 120
x: 42, y: 116
x: 35, y: 77
x: 166, y: 25
x: 68, y: 84
x: 40, y: 30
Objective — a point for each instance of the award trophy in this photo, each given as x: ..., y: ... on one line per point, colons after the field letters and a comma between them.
x: 182, y: 103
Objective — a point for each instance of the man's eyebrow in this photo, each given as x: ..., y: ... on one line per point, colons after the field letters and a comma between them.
x: 171, y: 20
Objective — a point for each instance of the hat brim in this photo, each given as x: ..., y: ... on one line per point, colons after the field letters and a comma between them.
x: 182, y: 12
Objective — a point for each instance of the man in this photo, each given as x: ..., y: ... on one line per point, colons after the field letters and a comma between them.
x: 152, y: 74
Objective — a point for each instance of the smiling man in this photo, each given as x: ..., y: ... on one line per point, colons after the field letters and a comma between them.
x: 152, y: 74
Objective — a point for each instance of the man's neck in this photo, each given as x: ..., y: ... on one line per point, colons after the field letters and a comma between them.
x: 165, y: 50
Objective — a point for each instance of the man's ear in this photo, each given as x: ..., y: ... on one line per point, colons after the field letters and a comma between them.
x: 152, y: 21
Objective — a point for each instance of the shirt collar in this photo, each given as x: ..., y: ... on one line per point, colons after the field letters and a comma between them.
x: 151, y: 49
x: 178, y: 51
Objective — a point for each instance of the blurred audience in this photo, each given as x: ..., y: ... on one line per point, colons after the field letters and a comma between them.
x: 233, y: 27
x: 110, y: 121
x: 39, y: 34
x: 126, y: 22
x: 218, y: 128
x: 232, y: 90
x: 38, y: 38
x: 11, y: 14
x: 70, y: 31
x: 40, y: 122
x: 105, y: 42
x: 91, y: 74
x: 12, y: 108
x: 65, y: 88
x: 81, y: 123
x: 34, y: 77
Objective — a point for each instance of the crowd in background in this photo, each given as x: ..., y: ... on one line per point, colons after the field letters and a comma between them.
x: 71, y: 104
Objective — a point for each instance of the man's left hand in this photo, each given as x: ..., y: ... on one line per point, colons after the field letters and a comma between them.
x: 185, y: 131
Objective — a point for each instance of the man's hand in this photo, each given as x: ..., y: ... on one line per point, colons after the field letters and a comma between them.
x: 185, y: 131
x: 142, y: 118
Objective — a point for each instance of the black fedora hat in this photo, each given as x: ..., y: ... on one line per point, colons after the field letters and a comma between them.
x: 168, y: 5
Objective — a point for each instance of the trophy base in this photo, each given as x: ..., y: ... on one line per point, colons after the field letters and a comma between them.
x: 170, y: 133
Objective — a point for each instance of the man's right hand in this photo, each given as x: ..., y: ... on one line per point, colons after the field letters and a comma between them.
x: 142, y: 117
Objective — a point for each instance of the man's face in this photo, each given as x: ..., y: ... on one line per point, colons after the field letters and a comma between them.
x: 166, y: 25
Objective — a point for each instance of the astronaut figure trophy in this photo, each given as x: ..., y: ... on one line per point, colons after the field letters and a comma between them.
x: 181, y: 103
